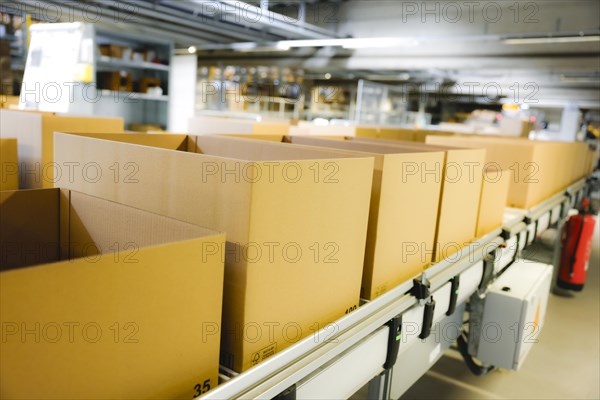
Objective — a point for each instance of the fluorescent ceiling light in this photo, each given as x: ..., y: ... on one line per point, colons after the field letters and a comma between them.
x: 249, y: 47
x: 351, y: 43
x: 550, y: 39
x: 367, y: 43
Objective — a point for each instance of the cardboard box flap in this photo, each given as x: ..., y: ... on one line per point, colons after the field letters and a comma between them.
x: 258, y: 150
x: 29, y: 232
x: 9, y: 164
x: 163, y: 141
x: 368, y: 145
x: 108, y: 227
x: 411, y: 146
x: 48, y: 225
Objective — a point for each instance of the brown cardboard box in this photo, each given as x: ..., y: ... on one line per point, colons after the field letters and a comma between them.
x: 540, y: 169
x: 308, y: 128
x: 494, y: 194
x: 9, y: 165
x: 295, y: 217
x: 104, y: 300
x: 34, y: 130
x: 204, y: 125
x: 9, y: 101
x: 146, y: 82
x: 403, y: 212
x: 461, y: 191
x: 118, y: 81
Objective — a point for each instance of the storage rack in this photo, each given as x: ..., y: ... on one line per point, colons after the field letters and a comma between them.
x: 333, y: 362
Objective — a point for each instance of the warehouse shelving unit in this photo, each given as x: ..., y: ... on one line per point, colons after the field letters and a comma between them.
x: 80, y: 66
x: 366, y: 346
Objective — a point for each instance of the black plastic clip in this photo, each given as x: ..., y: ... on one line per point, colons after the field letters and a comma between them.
x: 287, y: 394
x: 488, y: 273
x: 420, y: 288
x: 454, y: 284
x: 427, y: 318
x: 395, y: 334
x: 505, y: 234
x: 527, y: 220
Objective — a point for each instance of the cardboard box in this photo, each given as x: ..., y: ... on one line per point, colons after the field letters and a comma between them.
x: 34, y: 130
x: 295, y: 217
x: 11, y: 102
x: 494, y: 194
x: 103, y: 300
x: 9, y: 165
x: 146, y: 82
x: 308, y: 128
x: 461, y: 191
x: 540, y: 169
x: 118, y: 81
x: 403, y: 211
x: 205, y: 125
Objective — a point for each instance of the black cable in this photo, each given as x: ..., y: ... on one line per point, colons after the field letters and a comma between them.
x: 475, y: 368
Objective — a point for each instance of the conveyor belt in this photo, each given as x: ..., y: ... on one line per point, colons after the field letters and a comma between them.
x: 315, y: 359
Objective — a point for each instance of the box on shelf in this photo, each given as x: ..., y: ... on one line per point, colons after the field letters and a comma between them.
x: 461, y: 174
x: 118, y: 81
x: 34, y: 133
x: 540, y: 169
x: 9, y: 164
x: 403, y: 212
x: 494, y: 194
x: 98, y: 297
x: 115, y: 51
x: 11, y: 102
x: 147, y: 82
x: 295, y: 217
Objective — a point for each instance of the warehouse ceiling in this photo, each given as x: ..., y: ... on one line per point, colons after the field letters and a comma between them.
x: 541, y: 50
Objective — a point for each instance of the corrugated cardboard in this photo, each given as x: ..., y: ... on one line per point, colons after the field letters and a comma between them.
x: 34, y: 132
x: 9, y: 165
x: 540, y: 169
x: 101, y: 300
x: 320, y: 206
x: 205, y: 125
x: 461, y: 192
x: 494, y: 194
x: 403, y: 212
x: 307, y: 128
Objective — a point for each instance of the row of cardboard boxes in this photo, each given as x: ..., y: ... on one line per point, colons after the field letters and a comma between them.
x: 128, y: 297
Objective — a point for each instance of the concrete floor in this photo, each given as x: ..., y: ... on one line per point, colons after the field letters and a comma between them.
x: 565, y: 364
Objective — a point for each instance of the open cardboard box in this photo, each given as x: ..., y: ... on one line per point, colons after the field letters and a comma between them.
x: 540, y: 169
x: 105, y: 300
x: 34, y: 132
x: 9, y: 165
x: 295, y: 217
x: 462, y: 173
x: 403, y: 212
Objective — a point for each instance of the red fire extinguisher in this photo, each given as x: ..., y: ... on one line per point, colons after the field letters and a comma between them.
x: 576, y: 248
